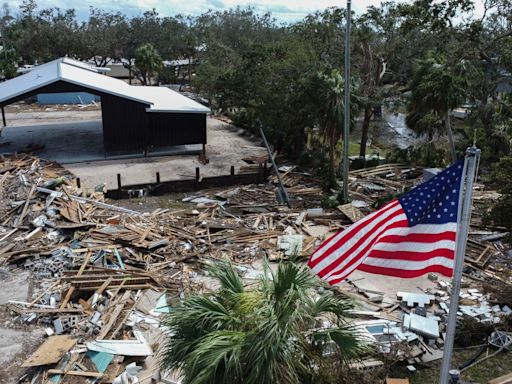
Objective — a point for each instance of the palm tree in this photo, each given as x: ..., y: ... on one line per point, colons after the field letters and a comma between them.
x: 148, y: 62
x: 436, y: 89
x: 331, y: 124
x: 268, y: 334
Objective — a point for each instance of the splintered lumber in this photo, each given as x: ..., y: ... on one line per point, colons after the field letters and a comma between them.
x: 51, y: 351
x: 114, y: 315
x: 90, y: 201
x: 22, y: 311
x: 353, y: 213
x: 19, y: 219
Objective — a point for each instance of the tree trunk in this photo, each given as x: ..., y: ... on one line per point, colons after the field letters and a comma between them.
x: 450, y: 136
x: 332, y: 165
x: 190, y: 70
x: 368, y: 112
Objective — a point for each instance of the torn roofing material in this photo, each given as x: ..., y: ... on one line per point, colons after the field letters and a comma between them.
x: 158, y: 99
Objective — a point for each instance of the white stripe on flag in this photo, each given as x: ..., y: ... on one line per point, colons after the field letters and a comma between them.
x: 414, y: 246
x: 408, y: 264
x: 424, y: 229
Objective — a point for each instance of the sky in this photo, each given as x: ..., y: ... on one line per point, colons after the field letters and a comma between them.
x: 282, y: 10
x: 285, y: 11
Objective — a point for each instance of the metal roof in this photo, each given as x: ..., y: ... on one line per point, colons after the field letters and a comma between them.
x: 158, y: 99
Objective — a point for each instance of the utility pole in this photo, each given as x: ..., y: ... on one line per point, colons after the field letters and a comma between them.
x: 346, y: 115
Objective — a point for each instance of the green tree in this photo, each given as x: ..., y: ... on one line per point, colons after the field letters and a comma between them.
x: 148, y: 63
x: 371, y: 67
x: 436, y: 89
x: 501, y: 212
x: 332, y: 115
x: 103, y: 37
x: 271, y: 333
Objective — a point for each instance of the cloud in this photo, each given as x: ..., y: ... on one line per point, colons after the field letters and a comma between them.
x: 282, y: 10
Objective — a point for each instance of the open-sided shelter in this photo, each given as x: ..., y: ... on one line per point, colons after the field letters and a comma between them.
x: 135, y: 118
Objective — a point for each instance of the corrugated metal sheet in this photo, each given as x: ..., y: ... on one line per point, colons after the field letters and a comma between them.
x: 124, y: 125
x: 80, y: 74
x: 166, y: 129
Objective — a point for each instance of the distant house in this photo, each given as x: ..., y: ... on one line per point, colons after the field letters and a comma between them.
x: 135, y: 118
x: 504, y: 84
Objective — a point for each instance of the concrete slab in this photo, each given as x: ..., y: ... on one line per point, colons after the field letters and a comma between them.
x: 226, y: 147
x: 75, y: 139
x: 64, y: 142
x: 11, y: 343
x: 391, y: 285
x: 16, y: 287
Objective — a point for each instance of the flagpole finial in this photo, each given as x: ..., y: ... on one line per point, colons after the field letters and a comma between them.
x: 472, y: 151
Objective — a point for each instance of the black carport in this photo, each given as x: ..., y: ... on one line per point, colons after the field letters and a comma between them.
x: 134, y: 119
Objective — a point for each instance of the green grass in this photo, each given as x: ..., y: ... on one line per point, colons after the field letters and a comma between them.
x: 496, y: 366
x: 354, y: 146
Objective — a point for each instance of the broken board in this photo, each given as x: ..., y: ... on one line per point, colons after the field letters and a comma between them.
x: 51, y: 351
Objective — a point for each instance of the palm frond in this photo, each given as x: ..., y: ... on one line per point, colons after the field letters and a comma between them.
x: 216, y: 358
x: 329, y: 303
x: 229, y: 279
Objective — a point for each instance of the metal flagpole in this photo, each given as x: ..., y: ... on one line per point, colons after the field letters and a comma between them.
x: 346, y: 125
x: 465, y: 203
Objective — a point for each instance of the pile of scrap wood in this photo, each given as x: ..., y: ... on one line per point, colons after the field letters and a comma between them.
x: 106, y: 275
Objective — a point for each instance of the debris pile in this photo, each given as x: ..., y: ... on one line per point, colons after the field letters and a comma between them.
x: 106, y: 275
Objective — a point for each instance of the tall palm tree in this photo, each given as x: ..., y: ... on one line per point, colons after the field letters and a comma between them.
x: 436, y: 89
x: 148, y: 62
x: 332, y: 112
x: 272, y: 333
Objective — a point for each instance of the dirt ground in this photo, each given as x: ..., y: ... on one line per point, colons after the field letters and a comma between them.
x: 73, y: 137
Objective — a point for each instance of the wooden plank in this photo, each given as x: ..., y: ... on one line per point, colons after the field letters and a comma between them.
x: 19, y: 219
x: 84, y: 264
x: 114, y: 315
x: 67, y: 297
x: 40, y: 296
x: 505, y: 379
x: 97, y: 375
x: 51, y: 351
x: 100, y: 290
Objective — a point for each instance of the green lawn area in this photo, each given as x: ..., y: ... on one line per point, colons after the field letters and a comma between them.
x: 496, y: 366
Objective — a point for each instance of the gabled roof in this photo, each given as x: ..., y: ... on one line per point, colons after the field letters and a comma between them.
x: 158, y: 99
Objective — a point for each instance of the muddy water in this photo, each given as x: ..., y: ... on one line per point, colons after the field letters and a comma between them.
x: 401, y: 135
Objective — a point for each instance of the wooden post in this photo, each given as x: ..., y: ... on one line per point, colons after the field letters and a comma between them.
x: 78, y: 182
x: 119, y: 182
x: 158, y: 177
x: 232, y: 170
x: 204, y: 149
x: 197, y: 174
x: 3, y: 118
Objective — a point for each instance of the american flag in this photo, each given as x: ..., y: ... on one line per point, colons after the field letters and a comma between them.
x: 408, y: 237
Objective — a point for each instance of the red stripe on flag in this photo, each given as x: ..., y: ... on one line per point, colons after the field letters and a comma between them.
x: 314, y: 260
x: 361, y: 253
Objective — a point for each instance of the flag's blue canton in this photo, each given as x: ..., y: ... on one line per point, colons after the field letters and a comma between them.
x: 435, y: 201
